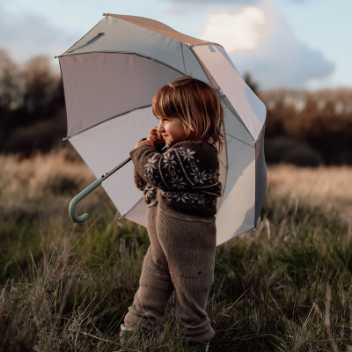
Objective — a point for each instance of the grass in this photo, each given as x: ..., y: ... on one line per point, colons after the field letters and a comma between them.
x: 66, y: 287
x: 324, y: 186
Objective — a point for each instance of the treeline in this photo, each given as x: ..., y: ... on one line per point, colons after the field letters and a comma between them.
x: 309, y: 128
x: 32, y: 112
x: 304, y: 128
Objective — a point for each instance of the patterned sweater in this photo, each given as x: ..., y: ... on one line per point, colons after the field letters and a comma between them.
x: 185, y: 173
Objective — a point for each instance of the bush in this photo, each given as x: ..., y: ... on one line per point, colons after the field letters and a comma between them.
x: 41, y: 136
x: 289, y: 150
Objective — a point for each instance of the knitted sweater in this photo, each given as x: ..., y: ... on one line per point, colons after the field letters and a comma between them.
x: 185, y: 173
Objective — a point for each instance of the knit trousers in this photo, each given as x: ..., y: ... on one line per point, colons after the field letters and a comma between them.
x: 180, y: 257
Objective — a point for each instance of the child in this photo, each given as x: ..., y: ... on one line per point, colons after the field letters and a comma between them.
x: 180, y: 180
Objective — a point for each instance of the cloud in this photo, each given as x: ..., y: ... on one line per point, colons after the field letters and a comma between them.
x: 24, y: 36
x: 260, y: 41
x: 240, y: 30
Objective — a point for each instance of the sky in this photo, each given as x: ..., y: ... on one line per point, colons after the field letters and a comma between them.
x: 299, y: 44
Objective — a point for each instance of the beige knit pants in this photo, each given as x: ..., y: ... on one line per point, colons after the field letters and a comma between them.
x: 181, y: 257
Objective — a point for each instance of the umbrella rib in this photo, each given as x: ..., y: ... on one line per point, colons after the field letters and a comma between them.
x: 125, y: 53
x: 238, y: 139
x: 124, y: 113
x: 90, y: 41
x: 183, y: 58
x: 108, y: 119
x: 131, y: 209
x: 206, y: 73
x: 232, y: 109
x: 77, y: 41
x: 141, y: 107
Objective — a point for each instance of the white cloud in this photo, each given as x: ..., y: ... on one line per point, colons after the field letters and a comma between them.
x: 260, y: 41
x: 238, y: 31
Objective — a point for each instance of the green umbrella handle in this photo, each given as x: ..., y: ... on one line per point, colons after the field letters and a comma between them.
x: 88, y: 189
x: 76, y: 199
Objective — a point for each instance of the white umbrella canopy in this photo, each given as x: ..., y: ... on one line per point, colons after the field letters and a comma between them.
x: 110, y: 76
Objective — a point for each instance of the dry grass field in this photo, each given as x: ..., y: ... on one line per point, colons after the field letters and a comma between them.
x: 65, y: 287
x: 57, y: 172
x: 327, y: 187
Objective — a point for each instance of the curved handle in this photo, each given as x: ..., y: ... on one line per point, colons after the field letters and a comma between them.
x: 88, y: 189
x: 76, y: 199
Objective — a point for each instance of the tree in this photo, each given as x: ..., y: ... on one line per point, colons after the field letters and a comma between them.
x: 252, y: 84
x: 10, y: 91
x: 39, y: 86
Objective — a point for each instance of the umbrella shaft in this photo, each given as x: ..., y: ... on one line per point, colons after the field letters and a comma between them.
x: 109, y: 173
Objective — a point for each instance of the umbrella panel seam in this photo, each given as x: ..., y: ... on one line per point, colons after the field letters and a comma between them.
x: 124, y: 53
x: 106, y: 120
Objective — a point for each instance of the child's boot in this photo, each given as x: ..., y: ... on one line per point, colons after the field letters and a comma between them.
x: 125, y: 334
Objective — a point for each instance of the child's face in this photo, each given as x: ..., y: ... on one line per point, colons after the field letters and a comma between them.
x: 171, y: 130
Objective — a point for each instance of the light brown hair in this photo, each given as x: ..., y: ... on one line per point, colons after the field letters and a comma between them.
x: 196, y: 104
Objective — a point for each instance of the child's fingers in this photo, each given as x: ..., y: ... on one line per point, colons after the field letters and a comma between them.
x: 145, y: 141
x: 158, y: 133
x: 153, y: 134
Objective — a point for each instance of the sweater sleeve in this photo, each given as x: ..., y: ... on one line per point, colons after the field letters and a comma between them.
x: 139, y: 181
x: 179, y: 168
x: 152, y: 166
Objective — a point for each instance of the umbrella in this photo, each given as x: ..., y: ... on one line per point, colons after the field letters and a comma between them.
x: 110, y: 76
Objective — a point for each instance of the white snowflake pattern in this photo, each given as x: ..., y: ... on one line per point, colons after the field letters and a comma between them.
x: 200, y: 177
x: 169, y: 158
x: 173, y: 172
x: 178, y: 182
x: 150, y: 165
x: 187, y: 154
x: 185, y: 197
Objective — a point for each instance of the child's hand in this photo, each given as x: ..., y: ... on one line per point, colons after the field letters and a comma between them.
x: 154, y: 135
x: 145, y: 141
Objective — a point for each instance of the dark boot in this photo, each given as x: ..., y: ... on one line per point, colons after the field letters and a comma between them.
x: 125, y: 334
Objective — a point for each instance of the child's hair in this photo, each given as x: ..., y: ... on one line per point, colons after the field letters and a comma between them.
x: 196, y: 104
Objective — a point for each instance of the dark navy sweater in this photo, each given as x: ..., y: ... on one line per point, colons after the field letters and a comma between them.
x: 185, y: 173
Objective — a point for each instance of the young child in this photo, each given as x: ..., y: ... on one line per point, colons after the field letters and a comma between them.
x: 177, y: 168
